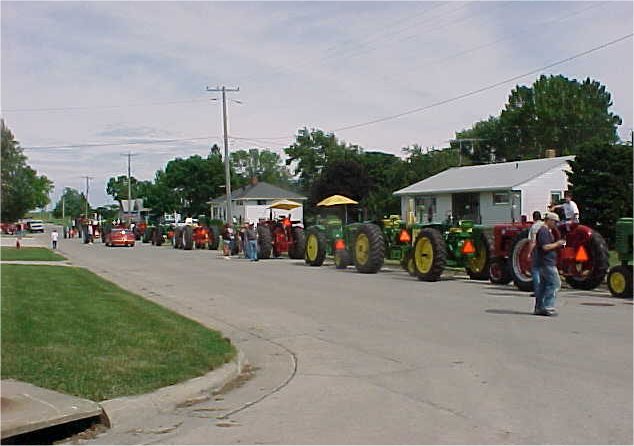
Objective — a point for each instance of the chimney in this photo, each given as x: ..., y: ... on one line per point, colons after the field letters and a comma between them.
x: 550, y: 153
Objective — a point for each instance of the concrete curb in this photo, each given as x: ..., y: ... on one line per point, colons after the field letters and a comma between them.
x: 194, y: 390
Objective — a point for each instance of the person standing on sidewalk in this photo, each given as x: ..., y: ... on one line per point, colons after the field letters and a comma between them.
x: 54, y: 237
x: 550, y: 283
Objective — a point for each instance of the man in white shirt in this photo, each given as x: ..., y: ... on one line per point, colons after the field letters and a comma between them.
x: 571, y: 210
x: 54, y: 237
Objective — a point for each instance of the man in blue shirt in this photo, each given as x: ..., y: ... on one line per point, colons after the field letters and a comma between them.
x: 545, y: 250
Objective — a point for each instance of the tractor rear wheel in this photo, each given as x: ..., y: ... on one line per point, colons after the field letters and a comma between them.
x: 299, y: 243
x: 188, y: 238
x: 178, y: 238
x: 521, y: 262
x: 214, y: 237
x: 478, y: 266
x: 620, y: 281
x: 265, y: 245
x: 315, y: 251
x: 429, y: 255
x: 499, y: 272
x: 591, y: 278
x: 369, y: 249
x: 342, y: 259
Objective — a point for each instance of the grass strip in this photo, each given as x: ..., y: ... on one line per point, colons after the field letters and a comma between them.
x: 68, y: 329
x: 29, y: 254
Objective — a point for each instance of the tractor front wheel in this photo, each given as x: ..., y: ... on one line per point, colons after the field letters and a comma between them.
x: 478, y: 267
x: 407, y: 263
x: 429, y: 255
x: 593, y: 276
x: 299, y: 243
x: 315, y: 252
x: 342, y: 259
x: 499, y: 272
x: 521, y: 262
x: 369, y: 249
x: 620, y: 281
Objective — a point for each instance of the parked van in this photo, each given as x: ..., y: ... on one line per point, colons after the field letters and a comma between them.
x: 35, y: 226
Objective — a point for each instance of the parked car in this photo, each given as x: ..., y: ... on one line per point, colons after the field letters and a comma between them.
x: 120, y: 237
x: 35, y: 226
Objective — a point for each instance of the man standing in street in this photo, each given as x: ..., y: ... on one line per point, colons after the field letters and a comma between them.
x: 535, y: 266
x: 54, y: 237
x: 545, y: 249
x: 252, y: 241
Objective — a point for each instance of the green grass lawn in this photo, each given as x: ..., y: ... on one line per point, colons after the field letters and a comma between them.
x: 9, y: 253
x: 69, y: 330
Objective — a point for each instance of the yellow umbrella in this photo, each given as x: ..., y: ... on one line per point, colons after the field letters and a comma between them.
x: 335, y: 200
x: 285, y: 204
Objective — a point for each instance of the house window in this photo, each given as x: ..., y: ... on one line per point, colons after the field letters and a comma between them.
x: 261, y: 202
x: 555, y: 196
x: 500, y: 198
x: 239, y: 203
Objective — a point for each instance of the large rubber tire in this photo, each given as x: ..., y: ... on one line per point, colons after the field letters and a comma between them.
x: 342, y: 259
x: 520, y: 262
x: 214, y: 237
x: 368, y: 252
x: 478, y: 267
x: 315, y: 251
x: 429, y: 254
x: 499, y: 271
x: 178, y: 238
x: 620, y: 281
x: 188, y: 238
x: 299, y: 243
x: 265, y: 245
x: 598, y: 251
x: 407, y: 263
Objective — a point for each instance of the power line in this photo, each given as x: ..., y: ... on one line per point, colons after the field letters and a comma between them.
x: 129, y: 143
x: 95, y: 107
x: 480, y: 90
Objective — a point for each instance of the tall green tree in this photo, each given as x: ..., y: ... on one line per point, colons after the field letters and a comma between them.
x: 423, y: 163
x: 22, y: 188
x: 117, y: 188
x: 263, y: 164
x: 554, y: 113
x: 386, y: 174
x: 601, y: 185
x: 72, y: 202
x: 312, y: 151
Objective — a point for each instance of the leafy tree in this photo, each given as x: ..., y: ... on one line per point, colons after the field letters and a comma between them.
x: 22, y: 188
x: 601, y: 184
x: 420, y: 164
x: 264, y: 164
x: 343, y: 177
x: 72, y: 202
x: 117, y: 188
x: 312, y: 151
x: 386, y: 174
x: 554, y: 113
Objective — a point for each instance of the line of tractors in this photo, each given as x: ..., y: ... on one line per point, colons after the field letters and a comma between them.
x: 499, y: 253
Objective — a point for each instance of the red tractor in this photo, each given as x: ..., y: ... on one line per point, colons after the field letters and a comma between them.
x: 192, y: 235
x: 583, y: 262
x: 287, y: 236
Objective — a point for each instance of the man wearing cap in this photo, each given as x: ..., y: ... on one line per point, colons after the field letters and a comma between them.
x: 550, y: 283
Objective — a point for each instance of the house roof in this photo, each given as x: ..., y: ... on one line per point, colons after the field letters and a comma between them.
x: 500, y: 176
x: 260, y: 191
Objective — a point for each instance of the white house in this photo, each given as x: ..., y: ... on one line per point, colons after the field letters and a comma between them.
x: 251, y: 202
x: 490, y: 193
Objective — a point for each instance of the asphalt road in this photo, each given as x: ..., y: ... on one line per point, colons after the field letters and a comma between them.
x: 342, y: 357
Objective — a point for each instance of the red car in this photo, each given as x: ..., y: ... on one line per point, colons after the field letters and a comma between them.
x: 120, y: 237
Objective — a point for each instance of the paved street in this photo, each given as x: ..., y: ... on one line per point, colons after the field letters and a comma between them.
x: 341, y: 357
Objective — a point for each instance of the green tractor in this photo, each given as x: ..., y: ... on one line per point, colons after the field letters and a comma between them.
x: 424, y: 250
x: 620, y: 276
x: 360, y: 244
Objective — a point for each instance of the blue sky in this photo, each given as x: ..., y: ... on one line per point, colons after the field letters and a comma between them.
x: 137, y: 71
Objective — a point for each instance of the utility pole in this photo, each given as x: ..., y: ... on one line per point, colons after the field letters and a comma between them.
x: 224, y: 89
x: 87, y: 189
x: 129, y: 155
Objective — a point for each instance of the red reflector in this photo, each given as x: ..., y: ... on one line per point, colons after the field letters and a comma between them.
x: 582, y: 255
x: 340, y: 244
x: 404, y: 237
x: 468, y: 247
